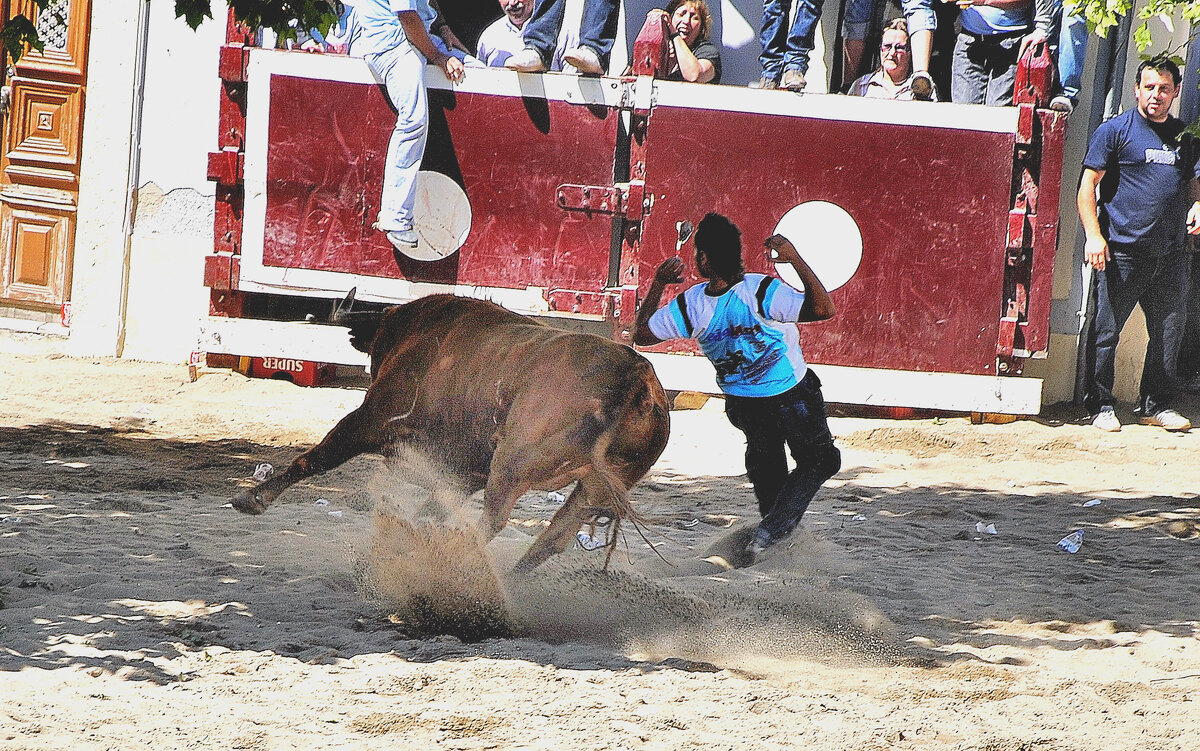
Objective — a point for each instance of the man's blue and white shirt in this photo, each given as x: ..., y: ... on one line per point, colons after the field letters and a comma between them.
x: 748, y: 332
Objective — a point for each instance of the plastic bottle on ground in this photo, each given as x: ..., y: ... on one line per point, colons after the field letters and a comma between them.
x: 1071, y: 542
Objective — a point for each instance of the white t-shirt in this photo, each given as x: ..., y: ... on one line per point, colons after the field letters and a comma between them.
x: 501, y: 40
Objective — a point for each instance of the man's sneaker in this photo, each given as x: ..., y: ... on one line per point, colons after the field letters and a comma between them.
x: 922, y: 86
x: 755, y: 548
x: 1062, y: 103
x: 526, y: 61
x: 403, y: 239
x: 1167, y: 419
x: 793, y: 80
x: 764, y: 83
x: 585, y: 60
x: 1106, y: 419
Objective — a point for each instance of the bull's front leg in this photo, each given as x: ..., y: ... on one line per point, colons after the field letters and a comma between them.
x: 358, y: 432
x: 562, y: 530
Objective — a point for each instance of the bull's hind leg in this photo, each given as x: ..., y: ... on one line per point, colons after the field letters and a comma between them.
x: 358, y: 432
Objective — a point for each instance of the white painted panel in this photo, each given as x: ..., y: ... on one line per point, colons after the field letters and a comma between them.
x: 882, y: 388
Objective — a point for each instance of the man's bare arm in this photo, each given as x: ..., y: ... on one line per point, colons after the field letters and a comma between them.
x: 669, y: 271
x: 1095, y: 249
x: 418, y: 36
x: 818, y: 305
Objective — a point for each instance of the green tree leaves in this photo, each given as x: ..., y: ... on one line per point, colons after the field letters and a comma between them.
x: 281, y: 16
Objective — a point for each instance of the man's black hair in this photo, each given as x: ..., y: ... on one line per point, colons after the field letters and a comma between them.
x: 1162, y: 64
x: 721, y: 243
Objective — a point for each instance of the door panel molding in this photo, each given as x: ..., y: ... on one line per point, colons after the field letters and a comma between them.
x: 39, y: 167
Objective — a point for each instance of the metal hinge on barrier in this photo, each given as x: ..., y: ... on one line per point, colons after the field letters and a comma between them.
x: 623, y: 199
x: 233, y: 62
x: 225, y: 166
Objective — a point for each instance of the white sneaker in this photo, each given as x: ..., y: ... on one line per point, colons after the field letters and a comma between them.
x: 403, y: 239
x: 1106, y: 419
x: 1167, y: 419
x: 584, y: 60
x: 526, y: 61
x: 1062, y: 103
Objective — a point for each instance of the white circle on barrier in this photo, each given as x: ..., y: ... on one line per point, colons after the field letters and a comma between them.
x: 442, y: 217
x: 827, y: 238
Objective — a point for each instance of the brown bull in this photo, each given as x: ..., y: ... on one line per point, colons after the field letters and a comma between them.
x: 468, y: 396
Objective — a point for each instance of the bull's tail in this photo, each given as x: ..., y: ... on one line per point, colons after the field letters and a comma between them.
x: 638, y: 400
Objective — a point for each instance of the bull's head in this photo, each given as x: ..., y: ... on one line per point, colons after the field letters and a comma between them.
x: 363, y: 324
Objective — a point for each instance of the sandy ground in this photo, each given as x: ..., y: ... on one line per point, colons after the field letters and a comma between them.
x: 138, y: 611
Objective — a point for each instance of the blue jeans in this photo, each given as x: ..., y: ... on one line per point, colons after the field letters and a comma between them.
x: 919, y: 15
x: 401, y: 70
x: 984, y: 69
x: 785, y: 48
x: 597, y: 28
x: 1072, y: 49
x: 1160, y: 285
x: 796, y: 419
x: 856, y: 20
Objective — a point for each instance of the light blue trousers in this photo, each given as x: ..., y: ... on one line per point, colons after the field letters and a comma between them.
x: 402, y: 71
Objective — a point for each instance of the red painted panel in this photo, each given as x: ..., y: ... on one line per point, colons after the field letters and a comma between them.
x: 931, y: 205
x: 327, y: 143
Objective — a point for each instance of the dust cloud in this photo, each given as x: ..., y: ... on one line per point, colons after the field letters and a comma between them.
x: 428, y: 569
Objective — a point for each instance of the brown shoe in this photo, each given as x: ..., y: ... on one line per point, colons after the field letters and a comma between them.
x: 793, y: 80
x: 764, y: 83
x: 922, y: 86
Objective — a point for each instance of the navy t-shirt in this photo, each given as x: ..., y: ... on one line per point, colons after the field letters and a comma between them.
x: 1147, y: 167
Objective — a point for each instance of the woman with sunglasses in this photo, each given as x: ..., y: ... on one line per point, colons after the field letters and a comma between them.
x: 893, y: 79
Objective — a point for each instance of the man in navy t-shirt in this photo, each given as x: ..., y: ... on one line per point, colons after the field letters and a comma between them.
x: 745, y: 325
x: 1144, y: 167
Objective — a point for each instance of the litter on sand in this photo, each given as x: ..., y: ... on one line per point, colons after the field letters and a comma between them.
x: 1071, y: 542
x: 1093, y: 502
x: 985, y: 529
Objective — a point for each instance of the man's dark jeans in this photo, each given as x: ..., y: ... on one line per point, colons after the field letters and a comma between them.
x: 795, y: 418
x: 597, y: 28
x: 1159, y: 284
x: 984, y: 68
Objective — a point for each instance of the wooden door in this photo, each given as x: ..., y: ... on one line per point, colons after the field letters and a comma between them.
x: 39, y: 168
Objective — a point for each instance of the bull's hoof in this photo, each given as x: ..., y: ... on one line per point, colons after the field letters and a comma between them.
x: 250, y: 502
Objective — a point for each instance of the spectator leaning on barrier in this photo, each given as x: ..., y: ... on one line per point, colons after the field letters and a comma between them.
x: 894, y: 78
x: 597, y: 31
x: 1144, y: 167
x: 693, y: 56
x: 503, y: 38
